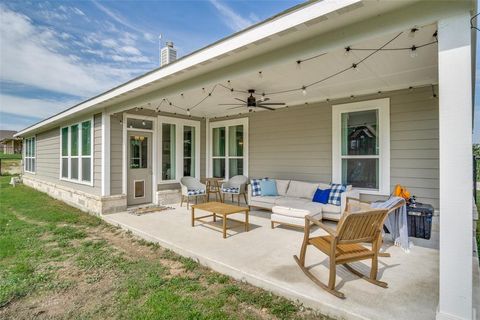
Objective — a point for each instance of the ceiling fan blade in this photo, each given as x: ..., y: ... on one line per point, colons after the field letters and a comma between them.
x: 241, y: 100
x: 264, y: 107
x: 273, y: 104
x: 232, y: 104
x: 264, y: 100
x: 242, y: 106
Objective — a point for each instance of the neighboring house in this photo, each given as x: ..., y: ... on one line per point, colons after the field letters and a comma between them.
x: 9, y: 144
x: 352, y: 114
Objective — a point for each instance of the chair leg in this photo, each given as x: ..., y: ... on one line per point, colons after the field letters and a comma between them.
x: 374, y: 269
x: 188, y: 202
x: 196, y: 200
x: 272, y: 224
x: 359, y: 274
x: 232, y: 197
x: 238, y: 199
x: 181, y: 200
x: 245, y: 197
x: 333, y: 272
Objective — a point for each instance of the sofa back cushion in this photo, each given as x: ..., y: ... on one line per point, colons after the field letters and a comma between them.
x: 282, y: 186
x: 299, y: 189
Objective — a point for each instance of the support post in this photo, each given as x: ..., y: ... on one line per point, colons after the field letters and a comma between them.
x: 105, y: 154
x: 455, y: 135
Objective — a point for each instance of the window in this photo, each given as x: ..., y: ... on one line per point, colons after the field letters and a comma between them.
x: 361, y: 150
x: 138, y: 152
x: 30, y: 153
x: 180, y: 148
x: 76, y: 152
x: 228, y: 148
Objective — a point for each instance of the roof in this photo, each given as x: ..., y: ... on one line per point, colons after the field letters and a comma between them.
x: 7, y: 134
x: 211, y: 60
x: 218, y: 48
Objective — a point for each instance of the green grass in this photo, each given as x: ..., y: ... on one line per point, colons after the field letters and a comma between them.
x: 478, y: 222
x: 58, y: 262
x: 10, y: 156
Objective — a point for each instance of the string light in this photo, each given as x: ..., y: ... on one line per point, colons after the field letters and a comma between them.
x: 299, y: 63
x: 304, y: 90
x: 412, y: 32
x: 143, y: 123
x: 354, y: 66
x: 347, y: 50
x: 434, y: 95
x: 188, y: 112
x: 413, y: 54
x: 260, y: 74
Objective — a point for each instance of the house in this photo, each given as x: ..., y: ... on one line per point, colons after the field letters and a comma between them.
x: 401, y: 72
x: 9, y: 144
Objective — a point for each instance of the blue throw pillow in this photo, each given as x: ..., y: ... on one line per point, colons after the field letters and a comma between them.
x: 335, y: 196
x: 256, y: 190
x: 321, y: 196
x: 268, y: 188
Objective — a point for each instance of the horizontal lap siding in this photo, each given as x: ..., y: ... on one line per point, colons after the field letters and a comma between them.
x: 48, y: 158
x: 295, y: 143
x: 291, y: 143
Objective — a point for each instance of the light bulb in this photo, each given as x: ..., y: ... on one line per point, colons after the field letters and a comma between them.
x: 143, y: 123
x: 413, y: 52
x: 260, y: 74
x: 347, y: 50
x: 188, y: 112
x: 299, y: 64
x: 203, y: 90
x: 304, y: 90
x: 412, y: 32
x: 355, y: 67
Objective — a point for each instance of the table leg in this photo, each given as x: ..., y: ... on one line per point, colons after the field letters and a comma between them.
x: 214, y: 217
x: 224, y: 226
x: 193, y: 216
x: 247, y: 227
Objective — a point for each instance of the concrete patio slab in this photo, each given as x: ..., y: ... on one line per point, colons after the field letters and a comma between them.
x: 264, y: 258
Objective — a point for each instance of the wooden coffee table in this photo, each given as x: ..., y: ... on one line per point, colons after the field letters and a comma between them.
x: 221, y: 210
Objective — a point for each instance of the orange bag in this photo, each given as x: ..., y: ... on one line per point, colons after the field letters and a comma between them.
x: 401, y: 191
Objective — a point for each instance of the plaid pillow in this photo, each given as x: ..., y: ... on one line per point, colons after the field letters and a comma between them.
x: 256, y: 190
x: 335, y: 196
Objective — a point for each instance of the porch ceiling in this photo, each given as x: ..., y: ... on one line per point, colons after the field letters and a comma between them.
x: 384, y: 70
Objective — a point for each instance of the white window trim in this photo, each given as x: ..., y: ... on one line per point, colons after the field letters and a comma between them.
x: 226, y: 124
x: 79, y: 157
x: 179, y: 124
x: 383, y: 107
x: 154, y: 151
x: 34, y: 156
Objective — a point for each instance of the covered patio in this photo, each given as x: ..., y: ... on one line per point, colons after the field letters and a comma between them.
x: 264, y: 257
x: 408, y: 63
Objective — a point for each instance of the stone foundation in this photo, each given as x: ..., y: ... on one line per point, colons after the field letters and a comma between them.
x: 90, y: 203
x: 167, y: 197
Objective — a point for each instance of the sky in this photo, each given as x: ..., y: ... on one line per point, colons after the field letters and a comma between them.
x: 55, y: 54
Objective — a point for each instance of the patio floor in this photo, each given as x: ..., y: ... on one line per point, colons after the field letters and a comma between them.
x: 264, y: 258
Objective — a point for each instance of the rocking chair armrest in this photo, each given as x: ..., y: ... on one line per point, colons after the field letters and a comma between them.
x: 329, y: 230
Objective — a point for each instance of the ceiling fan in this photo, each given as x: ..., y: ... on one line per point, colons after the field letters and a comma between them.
x: 252, y: 102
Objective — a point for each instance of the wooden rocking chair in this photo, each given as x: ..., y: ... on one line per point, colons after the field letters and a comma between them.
x: 345, y: 245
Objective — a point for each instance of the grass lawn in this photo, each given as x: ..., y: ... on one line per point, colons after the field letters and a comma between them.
x: 10, y: 156
x: 58, y: 262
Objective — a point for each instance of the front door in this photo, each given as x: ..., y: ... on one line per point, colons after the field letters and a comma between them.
x: 139, y: 170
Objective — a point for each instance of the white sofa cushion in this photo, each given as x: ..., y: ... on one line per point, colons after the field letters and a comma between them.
x: 296, y: 212
x: 299, y: 189
x: 282, y: 186
x: 266, y: 199
x: 323, y: 186
x: 298, y: 203
x: 330, y: 208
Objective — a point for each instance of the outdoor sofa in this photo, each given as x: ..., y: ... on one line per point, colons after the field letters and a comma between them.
x: 294, y: 202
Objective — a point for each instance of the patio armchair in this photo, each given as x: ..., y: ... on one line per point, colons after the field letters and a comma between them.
x: 237, y: 185
x: 191, y: 187
x: 345, y: 245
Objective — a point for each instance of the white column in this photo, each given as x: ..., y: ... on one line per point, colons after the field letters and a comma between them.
x: 455, y: 112
x: 105, y: 154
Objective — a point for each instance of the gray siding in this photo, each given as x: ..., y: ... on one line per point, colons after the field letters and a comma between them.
x: 48, y: 158
x: 296, y: 142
